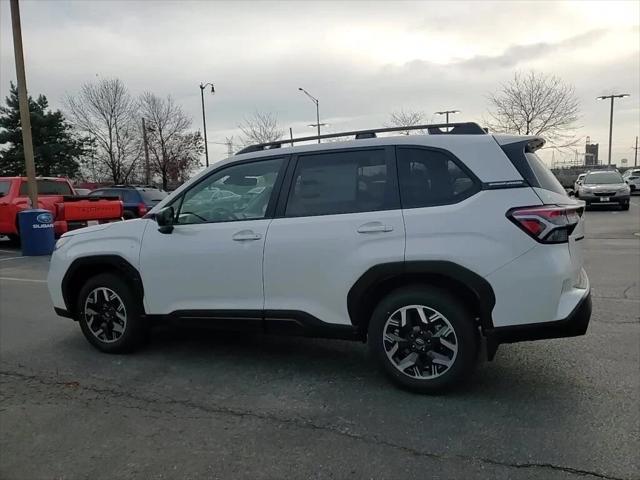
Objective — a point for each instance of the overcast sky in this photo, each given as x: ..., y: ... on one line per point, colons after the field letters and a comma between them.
x: 361, y: 59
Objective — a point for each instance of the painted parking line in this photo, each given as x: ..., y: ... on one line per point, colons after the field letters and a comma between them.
x: 16, y: 279
x: 10, y: 258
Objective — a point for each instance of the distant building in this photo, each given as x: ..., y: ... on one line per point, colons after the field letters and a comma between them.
x: 591, y: 154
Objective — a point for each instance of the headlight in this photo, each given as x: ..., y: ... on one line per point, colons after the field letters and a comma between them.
x: 61, y: 241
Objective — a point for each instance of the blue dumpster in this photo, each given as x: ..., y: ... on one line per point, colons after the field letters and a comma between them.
x: 36, y: 232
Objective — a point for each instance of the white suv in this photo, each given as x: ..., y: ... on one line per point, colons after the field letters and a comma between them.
x: 428, y: 247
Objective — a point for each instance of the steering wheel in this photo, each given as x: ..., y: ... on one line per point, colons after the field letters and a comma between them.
x: 221, y: 213
x: 195, y: 215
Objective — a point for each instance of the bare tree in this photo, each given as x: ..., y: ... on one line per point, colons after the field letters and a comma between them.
x: 260, y: 128
x: 406, y: 118
x: 171, y: 146
x: 534, y: 103
x: 107, y: 113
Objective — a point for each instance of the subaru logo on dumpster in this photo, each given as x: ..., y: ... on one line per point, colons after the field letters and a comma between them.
x: 44, y: 218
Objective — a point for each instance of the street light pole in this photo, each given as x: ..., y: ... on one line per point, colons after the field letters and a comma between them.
x: 204, y: 119
x: 23, y: 100
x: 447, y: 112
x: 314, y: 100
x: 612, y: 97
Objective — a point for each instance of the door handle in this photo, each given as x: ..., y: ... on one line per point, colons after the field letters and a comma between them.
x: 246, y: 235
x: 373, y: 227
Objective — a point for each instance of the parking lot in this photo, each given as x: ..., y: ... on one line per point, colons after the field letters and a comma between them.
x: 222, y: 405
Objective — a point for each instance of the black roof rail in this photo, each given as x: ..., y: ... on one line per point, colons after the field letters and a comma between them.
x: 463, y: 128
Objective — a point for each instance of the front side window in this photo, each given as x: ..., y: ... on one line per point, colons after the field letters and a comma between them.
x: 430, y: 177
x: 238, y: 192
x: 339, y: 182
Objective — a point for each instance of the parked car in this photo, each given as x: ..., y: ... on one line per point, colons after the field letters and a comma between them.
x: 137, y: 200
x: 578, y: 181
x: 423, y: 246
x: 57, y: 196
x: 632, y: 178
x: 604, y: 187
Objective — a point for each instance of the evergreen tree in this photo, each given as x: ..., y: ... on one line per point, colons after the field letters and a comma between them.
x: 57, y: 151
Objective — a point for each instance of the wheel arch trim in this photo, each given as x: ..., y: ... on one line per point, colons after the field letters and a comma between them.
x: 380, y: 274
x: 99, y: 262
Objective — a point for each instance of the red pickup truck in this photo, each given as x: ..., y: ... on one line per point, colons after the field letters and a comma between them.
x: 56, y: 195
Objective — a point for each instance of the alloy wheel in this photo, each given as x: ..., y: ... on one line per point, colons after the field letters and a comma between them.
x: 105, y: 314
x: 420, y: 342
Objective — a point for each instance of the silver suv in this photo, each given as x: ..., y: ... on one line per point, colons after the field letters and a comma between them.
x: 604, y: 187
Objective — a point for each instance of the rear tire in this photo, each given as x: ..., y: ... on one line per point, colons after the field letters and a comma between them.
x: 425, y: 357
x: 110, y: 316
x: 127, y: 215
x: 14, y: 240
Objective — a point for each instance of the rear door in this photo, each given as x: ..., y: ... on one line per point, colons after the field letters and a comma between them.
x: 339, y: 217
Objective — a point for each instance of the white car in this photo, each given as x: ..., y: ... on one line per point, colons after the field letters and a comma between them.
x: 578, y: 181
x: 632, y: 178
x: 424, y: 246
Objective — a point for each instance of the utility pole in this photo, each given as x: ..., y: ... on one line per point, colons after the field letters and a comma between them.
x: 612, y: 97
x: 25, y: 119
x: 204, y: 119
x: 446, y: 113
x: 147, y: 167
x: 291, y: 135
x: 229, y: 142
x: 635, y: 157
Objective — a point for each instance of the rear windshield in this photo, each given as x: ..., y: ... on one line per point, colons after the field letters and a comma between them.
x: 532, y: 169
x: 546, y: 178
x: 4, y: 187
x: 152, y: 196
x: 602, y: 178
x: 48, y: 187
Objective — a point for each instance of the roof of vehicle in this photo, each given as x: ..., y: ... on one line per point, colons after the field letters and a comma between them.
x: 136, y: 187
x: 56, y: 179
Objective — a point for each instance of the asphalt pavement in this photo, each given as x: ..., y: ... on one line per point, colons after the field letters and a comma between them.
x: 220, y: 405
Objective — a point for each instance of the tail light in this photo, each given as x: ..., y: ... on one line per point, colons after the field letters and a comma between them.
x: 548, y: 223
x: 142, y: 209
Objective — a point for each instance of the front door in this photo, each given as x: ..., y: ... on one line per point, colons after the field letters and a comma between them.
x: 212, y: 260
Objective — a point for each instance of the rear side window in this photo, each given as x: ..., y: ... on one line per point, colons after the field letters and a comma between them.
x: 48, y: 187
x: 152, y: 196
x: 431, y: 177
x: 339, y: 182
x: 532, y: 169
x: 4, y: 187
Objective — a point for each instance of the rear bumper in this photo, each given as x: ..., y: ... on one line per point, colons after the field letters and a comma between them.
x: 575, y: 324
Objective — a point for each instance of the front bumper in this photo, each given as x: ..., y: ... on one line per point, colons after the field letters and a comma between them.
x: 574, y: 325
x: 616, y: 198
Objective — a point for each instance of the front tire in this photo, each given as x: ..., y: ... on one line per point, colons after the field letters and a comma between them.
x: 624, y: 206
x: 424, y: 339
x: 110, y: 316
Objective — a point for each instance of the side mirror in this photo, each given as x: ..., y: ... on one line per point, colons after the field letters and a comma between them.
x: 165, y: 218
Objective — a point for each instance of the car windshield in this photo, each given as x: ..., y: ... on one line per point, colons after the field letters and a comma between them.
x: 4, y: 187
x: 602, y: 178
